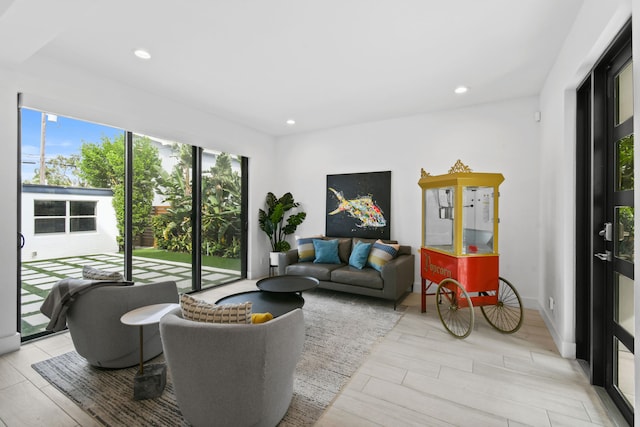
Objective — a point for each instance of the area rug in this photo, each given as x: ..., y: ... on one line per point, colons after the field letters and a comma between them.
x: 341, y: 330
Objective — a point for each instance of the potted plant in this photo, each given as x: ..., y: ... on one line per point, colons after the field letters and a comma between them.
x: 272, y: 222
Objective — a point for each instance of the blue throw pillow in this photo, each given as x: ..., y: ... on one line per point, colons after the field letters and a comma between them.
x: 359, y: 255
x: 326, y: 251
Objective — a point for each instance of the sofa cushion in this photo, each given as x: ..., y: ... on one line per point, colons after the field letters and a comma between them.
x: 202, y: 311
x: 344, y: 249
x: 359, y: 255
x: 366, y: 277
x: 326, y: 251
x: 319, y: 271
x: 404, y: 250
x: 381, y: 253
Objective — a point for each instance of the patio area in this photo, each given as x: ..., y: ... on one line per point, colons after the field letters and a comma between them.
x: 38, y: 277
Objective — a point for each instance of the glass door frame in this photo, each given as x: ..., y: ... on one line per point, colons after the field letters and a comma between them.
x: 615, y: 198
x: 196, y: 215
x: 595, y: 205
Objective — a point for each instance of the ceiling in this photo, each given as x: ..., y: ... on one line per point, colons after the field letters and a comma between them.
x: 322, y: 63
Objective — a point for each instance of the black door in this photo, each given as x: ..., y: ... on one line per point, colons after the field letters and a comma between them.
x: 605, y: 225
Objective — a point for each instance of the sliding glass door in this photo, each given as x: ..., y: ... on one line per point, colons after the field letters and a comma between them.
x: 67, y: 218
x: 164, y: 232
x: 221, y: 208
x: 78, y: 208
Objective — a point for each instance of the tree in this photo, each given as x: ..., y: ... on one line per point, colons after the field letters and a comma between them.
x: 221, y: 207
x: 103, y: 166
x: 221, y: 191
x: 625, y: 214
x: 173, y: 230
x: 625, y: 163
x: 60, y: 170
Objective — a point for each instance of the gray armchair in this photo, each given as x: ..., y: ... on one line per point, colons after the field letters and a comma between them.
x: 98, y: 335
x: 233, y: 375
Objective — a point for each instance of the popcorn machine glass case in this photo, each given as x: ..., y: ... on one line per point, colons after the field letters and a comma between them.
x: 460, y: 238
x: 460, y: 213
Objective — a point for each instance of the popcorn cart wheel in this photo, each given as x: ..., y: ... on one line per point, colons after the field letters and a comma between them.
x: 457, y: 314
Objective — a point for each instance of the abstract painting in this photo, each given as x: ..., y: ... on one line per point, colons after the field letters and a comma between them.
x: 359, y: 205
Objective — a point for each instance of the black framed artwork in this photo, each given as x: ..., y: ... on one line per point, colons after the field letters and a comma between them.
x: 359, y: 205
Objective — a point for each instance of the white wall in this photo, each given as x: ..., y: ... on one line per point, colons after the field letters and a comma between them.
x: 52, y: 87
x: 636, y: 125
x: 9, y: 338
x: 58, y: 245
x: 500, y: 137
x: 595, y: 27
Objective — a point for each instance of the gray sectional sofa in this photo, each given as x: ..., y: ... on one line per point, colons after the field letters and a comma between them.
x: 393, y: 281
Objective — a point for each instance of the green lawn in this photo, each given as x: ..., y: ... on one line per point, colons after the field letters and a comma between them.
x: 208, y: 261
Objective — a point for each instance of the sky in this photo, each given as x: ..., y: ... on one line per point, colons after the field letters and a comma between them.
x: 63, y: 136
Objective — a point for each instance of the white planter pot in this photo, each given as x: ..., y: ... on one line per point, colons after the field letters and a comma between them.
x: 273, y: 259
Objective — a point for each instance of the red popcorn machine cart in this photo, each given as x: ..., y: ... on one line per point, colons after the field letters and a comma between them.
x: 459, y: 251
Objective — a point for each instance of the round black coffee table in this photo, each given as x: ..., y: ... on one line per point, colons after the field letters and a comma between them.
x: 287, y: 284
x: 263, y: 302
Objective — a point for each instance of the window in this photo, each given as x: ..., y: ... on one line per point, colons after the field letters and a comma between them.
x: 82, y: 216
x: 50, y: 216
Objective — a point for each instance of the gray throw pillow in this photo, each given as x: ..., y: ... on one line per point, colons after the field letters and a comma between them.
x: 90, y: 273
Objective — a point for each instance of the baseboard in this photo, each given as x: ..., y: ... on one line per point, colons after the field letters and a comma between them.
x: 530, y: 303
x: 10, y: 343
x: 566, y: 349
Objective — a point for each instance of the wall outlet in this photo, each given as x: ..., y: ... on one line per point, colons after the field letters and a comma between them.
x: 34, y: 254
x: 551, y: 303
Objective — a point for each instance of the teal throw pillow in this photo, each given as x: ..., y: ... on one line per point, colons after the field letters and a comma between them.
x: 381, y: 253
x: 326, y: 251
x: 359, y: 255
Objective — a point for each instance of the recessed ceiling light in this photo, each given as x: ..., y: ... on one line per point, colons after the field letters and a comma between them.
x: 291, y: 122
x: 461, y: 89
x: 142, y: 54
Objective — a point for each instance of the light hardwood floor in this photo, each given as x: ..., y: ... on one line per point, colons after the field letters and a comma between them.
x: 417, y: 375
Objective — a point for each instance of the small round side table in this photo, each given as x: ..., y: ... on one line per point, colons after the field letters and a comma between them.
x: 150, y: 384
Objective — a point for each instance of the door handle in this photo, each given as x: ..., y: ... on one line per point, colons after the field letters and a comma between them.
x: 607, y: 232
x: 603, y: 256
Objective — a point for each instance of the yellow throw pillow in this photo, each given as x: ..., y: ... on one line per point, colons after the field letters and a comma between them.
x: 261, y: 317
